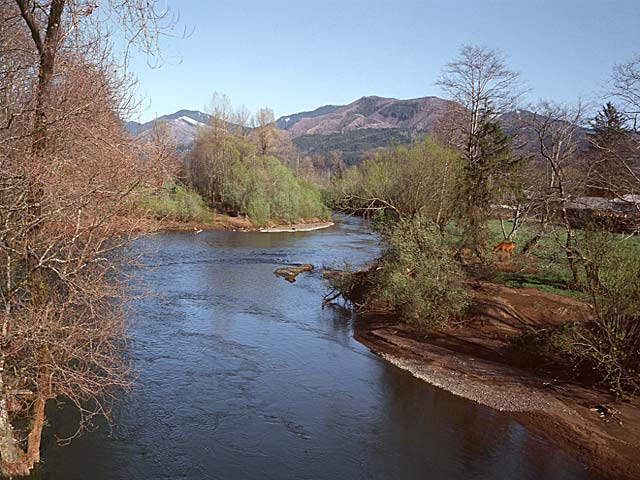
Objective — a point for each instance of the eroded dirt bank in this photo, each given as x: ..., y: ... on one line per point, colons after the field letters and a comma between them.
x: 476, y: 361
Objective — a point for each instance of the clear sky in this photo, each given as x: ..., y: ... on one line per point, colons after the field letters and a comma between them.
x: 295, y: 55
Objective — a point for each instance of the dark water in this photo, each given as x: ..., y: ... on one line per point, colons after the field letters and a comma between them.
x: 243, y: 375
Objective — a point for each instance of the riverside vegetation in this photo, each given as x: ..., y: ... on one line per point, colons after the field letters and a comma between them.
x: 441, y: 203
x: 76, y: 189
x: 233, y: 168
x: 68, y: 175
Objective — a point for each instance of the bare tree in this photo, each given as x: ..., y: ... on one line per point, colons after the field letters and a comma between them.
x: 241, y: 119
x: 556, y: 129
x: 626, y: 90
x: 626, y: 87
x: 67, y: 171
x: 51, y: 23
x: 264, y: 130
x: 481, y: 83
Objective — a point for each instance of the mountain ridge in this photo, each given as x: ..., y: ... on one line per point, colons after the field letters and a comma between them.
x: 369, y: 112
x: 366, y: 124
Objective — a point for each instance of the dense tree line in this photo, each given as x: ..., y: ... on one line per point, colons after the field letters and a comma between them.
x: 236, y: 171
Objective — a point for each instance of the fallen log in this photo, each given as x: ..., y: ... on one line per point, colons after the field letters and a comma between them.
x: 290, y: 273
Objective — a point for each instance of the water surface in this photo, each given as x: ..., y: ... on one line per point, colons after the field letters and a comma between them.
x: 243, y: 375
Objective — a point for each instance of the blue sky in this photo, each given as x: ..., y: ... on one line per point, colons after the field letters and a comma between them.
x: 298, y: 55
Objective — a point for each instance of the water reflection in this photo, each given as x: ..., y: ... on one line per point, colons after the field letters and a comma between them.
x: 242, y: 375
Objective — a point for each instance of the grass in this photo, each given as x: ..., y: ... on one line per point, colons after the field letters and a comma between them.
x: 545, y: 268
x: 543, y: 281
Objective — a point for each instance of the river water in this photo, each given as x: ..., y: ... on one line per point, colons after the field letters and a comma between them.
x: 241, y: 375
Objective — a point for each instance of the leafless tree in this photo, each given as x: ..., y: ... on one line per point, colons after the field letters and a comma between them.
x: 556, y: 129
x: 626, y: 87
x: 626, y: 90
x: 67, y: 173
x: 479, y: 81
x: 264, y: 130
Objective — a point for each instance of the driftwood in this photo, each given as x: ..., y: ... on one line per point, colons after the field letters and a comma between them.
x: 290, y: 273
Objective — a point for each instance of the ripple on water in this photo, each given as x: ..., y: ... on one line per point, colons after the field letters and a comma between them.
x: 243, y: 375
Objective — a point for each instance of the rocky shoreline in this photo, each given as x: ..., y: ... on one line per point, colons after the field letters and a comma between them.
x: 469, y: 361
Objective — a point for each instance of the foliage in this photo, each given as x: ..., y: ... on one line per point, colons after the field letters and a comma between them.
x: 176, y: 203
x: 612, y: 342
x: 404, y: 181
x: 67, y: 170
x: 606, y: 349
x: 418, y: 275
x: 230, y: 175
x: 487, y: 178
x: 610, y: 147
x: 479, y: 80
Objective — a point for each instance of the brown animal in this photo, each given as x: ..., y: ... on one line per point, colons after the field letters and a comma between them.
x: 506, y: 247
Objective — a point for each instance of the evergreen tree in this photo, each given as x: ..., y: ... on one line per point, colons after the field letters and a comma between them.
x: 609, y: 143
x: 492, y: 174
x: 608, y: 125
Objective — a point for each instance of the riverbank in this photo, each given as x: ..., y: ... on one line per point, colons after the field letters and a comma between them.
x: 476, y: 360
x: 243, y: 224
x: 299, y: 227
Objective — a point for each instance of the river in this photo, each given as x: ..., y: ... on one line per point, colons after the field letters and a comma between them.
x: 241, y: 375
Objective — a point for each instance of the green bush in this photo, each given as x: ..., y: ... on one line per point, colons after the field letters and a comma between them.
x: 176, y: 203
x: 404, y: 181
x: 606, y: 349
x: 234, y: 178
x: 418, y: 275
x: 266, y: 190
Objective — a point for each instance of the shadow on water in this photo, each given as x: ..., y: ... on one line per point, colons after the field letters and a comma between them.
x: 243, y: 375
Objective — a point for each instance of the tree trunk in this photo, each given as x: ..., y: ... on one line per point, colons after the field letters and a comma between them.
x: 571, y: 259
x: 47, y: 50
x: 14, y: 460
x: 9, y: 451
x: 35, y: 435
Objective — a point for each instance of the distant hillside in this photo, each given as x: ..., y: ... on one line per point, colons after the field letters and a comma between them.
x: 354, y: 144
x: 182, y: 124
x: 352, y: 130
x: 418, y: 114
x: 283, y: 123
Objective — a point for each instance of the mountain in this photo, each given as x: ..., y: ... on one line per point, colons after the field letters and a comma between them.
x: 353, y: 130
x: 285, y: 122
x: 182, y: 124
x: 366, y: 124
x: 418, y: 114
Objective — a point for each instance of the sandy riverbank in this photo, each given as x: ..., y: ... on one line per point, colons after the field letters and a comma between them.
x: 475, y: 361
x: 243, y: 224
x: 299, y: 227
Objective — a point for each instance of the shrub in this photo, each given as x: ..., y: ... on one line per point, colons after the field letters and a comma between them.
x: 418, y: 275
x: 230, y: 174
x: 176, y: 203
x: 612, y: 342
x: 606, y: 349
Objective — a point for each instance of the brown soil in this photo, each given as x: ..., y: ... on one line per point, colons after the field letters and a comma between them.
x: 476, y: 360
x: 224, y: 222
